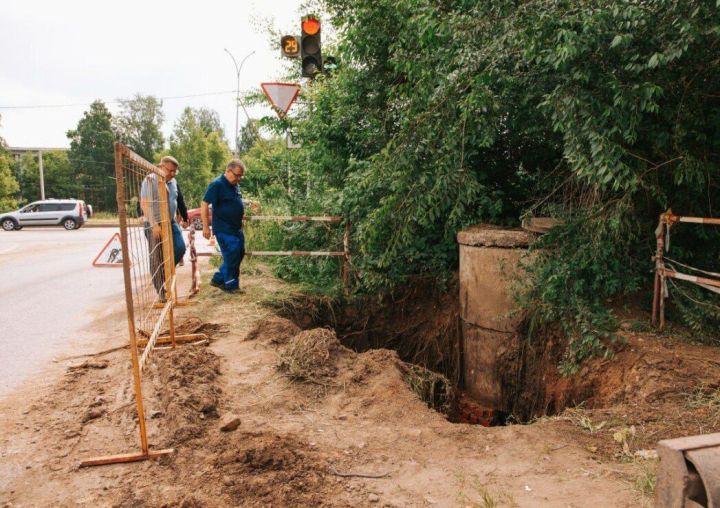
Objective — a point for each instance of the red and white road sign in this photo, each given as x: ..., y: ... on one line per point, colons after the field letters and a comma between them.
x: 111, y: 254
x: 281, y: 96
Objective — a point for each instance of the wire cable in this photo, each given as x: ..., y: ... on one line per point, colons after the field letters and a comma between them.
x: 116, y: 101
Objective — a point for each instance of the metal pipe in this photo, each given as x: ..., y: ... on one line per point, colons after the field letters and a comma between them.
x: 42, y: 176
x: 689, y: 278
x: 302, y: 218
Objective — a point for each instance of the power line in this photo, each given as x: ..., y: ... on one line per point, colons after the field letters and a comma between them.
x: 115, y: 101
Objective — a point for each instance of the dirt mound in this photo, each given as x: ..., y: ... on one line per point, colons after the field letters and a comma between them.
x: 311, y: 356
x: 186, y: 386
x: 266, y: 469
x: 197, y: 325
x: 420, y: 320
x: 253, y: 469
x: 274, y: 330
x: 372, y: 382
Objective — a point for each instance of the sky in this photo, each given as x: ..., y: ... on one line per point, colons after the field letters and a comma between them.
x: 75, y: 51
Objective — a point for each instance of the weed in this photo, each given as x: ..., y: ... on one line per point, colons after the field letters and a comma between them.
x: 586, y: 423
x: 706, y: 397
x: 645, y: 481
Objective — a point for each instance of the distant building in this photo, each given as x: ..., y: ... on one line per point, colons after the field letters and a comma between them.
x: 19, y: 151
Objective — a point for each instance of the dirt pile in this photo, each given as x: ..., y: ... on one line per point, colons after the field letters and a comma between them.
x: 420, y: 321
x: 194, y: 324
x: 311, y: 356
x: 186, y: 386
x: 273, y: 330
x: 265, y: 469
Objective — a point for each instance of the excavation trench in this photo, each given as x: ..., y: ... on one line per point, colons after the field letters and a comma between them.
x: 465, y: 342
x: 423, y: 325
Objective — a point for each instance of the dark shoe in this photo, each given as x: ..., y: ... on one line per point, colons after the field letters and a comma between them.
x: 214, y: 284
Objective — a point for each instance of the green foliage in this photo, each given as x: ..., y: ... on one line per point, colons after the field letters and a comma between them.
x: 91, y: 153
x: 699, y: 310
x: 61, y: 179
x: 202, y: 153
x: 8, y: 184
x: 571, y: 282
x: 209, y: 121
x: 247, y: 137
x: 602, y: 113
x: 139, y: 125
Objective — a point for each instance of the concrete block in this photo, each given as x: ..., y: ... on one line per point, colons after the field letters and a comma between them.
x: 482, y: 350
x: 486, y: 297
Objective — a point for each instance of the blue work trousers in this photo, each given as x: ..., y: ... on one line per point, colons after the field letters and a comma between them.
x: 156, y: 255
x: 232, y: 247
x: 178, y: 242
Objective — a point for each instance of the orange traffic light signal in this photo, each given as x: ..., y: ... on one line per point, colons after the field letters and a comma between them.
x: 310, y: 46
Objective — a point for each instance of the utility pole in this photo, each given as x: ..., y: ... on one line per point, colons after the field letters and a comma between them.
x: 238, y: 69
x: 42, y: 177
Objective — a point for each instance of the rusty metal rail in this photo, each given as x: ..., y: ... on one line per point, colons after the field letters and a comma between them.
x: 662, y: 273
x: 295, y: 218
x: 331, y: 219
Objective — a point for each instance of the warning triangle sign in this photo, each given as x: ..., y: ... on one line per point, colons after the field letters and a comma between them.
x: 111, y: 254
x: 281, y: 96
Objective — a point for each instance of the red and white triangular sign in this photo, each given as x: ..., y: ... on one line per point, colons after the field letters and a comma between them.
x: 111, y: 254
x: 281, y: 96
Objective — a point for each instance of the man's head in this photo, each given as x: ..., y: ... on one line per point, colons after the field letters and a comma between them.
x: 234, y: 171
x: 170, y: 165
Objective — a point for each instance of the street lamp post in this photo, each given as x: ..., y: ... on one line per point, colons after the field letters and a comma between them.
x: 238, y: 68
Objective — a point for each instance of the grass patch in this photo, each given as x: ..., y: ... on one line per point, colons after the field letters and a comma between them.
x: 105, y: 216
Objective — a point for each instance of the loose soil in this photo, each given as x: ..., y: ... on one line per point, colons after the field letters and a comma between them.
x: 350, y: 433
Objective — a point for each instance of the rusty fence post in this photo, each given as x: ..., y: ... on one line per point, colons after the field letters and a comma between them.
x: 658, y: 285
x: 346, y: 258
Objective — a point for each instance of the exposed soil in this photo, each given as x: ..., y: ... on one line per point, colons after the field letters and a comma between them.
x: 353, y: 433
x: 420, y: 321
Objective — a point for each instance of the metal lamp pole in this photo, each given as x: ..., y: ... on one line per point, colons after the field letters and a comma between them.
x: 238, y: 68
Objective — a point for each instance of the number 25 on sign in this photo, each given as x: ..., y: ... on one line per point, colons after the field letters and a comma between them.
x: 290, y: 46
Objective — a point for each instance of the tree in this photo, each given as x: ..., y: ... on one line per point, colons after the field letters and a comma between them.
x: 599, y: 112
x: 8, y: 184
x: 248, y: 136
x: 139, y: 125
x: 209, y: 121
x: 92, y: 154
x: 202, y: 154
x: 59, y: 174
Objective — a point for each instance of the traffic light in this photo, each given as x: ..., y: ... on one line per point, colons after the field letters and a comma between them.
x: 310, y: 46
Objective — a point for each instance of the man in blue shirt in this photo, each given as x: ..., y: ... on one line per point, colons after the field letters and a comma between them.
x: 228, y: 210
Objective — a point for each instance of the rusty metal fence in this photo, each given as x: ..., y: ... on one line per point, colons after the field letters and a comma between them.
x: 149, y: 276
x: 344, y: 254
x: 666, y: 268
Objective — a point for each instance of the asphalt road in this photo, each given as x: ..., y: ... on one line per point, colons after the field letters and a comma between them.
x: 50, y: 295
x: 53, y: 302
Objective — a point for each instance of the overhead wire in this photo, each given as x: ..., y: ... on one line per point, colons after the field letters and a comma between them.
x: 115, y: 101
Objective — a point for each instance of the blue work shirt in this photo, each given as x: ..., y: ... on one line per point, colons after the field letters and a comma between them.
x: 228, y: 208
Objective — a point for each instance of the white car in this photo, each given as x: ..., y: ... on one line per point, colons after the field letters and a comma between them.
x: 68, y: 213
